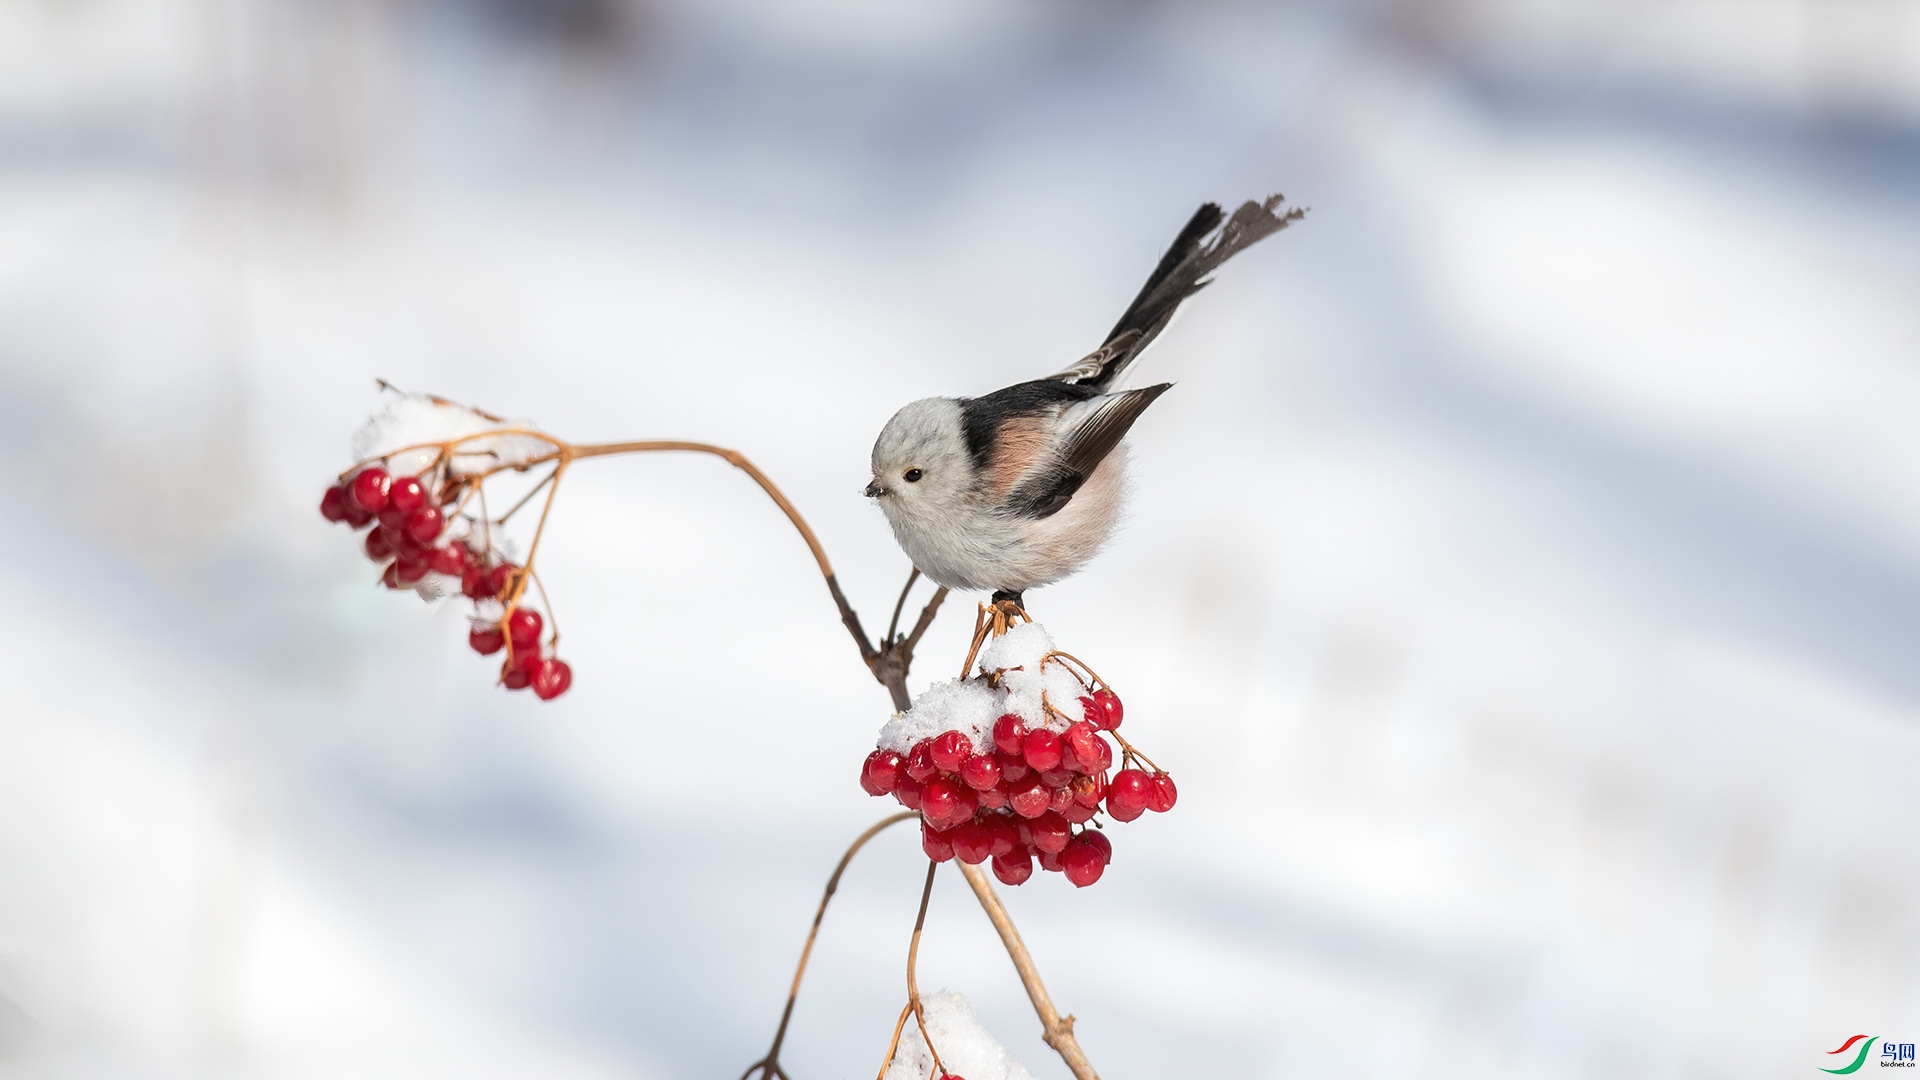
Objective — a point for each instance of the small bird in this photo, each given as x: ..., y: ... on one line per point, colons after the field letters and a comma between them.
x: 1021, y: 487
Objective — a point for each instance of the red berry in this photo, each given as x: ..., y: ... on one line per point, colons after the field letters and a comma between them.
x: 378, y: 546
x: 369, y: 489
x: 883, y: 771
x: 426, y: 523
x: 410, y: 570
x: 920, y: 764
x: 551, y: 678
x: 450, y: 560
x: 972, y: 843
x: 486, y: 640
x: 406, y: 495
x: 499, y: 578
x: 1084, y: 739
x: 969, y: 802
x: 1056, y: 778
x: 392, y: 518
x: 1009, y: 734
x: 992, y: 799
x: 1077, y: 812
x: 1049, y: 832
x: 1103, y: 759
x: 357, y: 517
x: 1030, y: 799
x: 1069, y: 763
x: 980, y: 772
x: 951, y: 749
x: 1083, y: 863
x: 908, y: 792
x: 515, y: 677
x: 391, y: 577
x: 1059, y: 798
x: 940, y: 800
x: 1099, y: 840
x: 333, y: 505
x: 1048, y: 860
x: 1042, y: 750
x: 936, y: 843
x: 1012, y: 766
x: 1161, y: 798
x: 1088, y: 790
x: 523, y: 626
x: 1013, y: 868
x: 473, y: 582
x: 1006, y: 835
x: 1127, y: 792
x: 1110, y: 709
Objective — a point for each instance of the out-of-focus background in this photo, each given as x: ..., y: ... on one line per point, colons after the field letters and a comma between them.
x: 1523, y: 580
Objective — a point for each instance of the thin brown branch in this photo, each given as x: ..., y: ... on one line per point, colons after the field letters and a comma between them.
x: 1056, y: 1030
x: 895, y: 656
x: 893, y: 626
x: 733, y: 458
x: 893, y: 1044
x: 769, y: 1066
x: 926, y: 620
x: 913, y: 987
x: 527, y: 498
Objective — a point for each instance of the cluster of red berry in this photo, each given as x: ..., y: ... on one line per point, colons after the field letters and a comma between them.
x: 412, y: 538
x: 1019, y: 801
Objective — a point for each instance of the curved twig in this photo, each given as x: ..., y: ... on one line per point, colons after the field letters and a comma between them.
x: 913, y: 988
x: 770, y: 1065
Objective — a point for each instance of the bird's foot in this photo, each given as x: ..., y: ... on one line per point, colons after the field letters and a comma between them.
x: 1004, y: 609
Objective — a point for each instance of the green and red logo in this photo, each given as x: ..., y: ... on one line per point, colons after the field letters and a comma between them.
x: 1892, y: 1054
x: 1866, y: 1047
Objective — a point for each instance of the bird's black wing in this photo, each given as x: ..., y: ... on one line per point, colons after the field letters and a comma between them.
x: 1182, y: 272
x: 981, y: 418
x: 1081, y: 452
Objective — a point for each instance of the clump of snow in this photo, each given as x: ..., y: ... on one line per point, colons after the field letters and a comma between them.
x: 1023, y: 646
x: 1018, y: 661
x: 968, y: 705
x: 415, y: 419
x: 966, y: 1048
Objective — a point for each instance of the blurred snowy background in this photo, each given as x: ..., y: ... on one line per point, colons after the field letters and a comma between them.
x: 1523, y: 580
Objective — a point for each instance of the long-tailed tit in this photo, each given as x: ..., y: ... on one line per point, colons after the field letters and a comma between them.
x: 1021, y: 487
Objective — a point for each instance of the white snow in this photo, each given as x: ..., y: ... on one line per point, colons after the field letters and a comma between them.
x: 966, y: 1048
x: 1023, y: 646
x: 412, y: 420
x: 968, y: 705
x: 1019, y: 660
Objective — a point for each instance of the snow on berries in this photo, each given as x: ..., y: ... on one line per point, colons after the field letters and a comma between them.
x: 418, y: 490
x: 1014, y: 764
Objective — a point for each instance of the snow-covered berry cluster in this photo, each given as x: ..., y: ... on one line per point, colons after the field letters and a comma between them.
x: 428, y: 540
x: 1013, y: 764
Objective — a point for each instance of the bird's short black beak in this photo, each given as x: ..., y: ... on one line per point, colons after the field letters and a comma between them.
x: 874, y: 490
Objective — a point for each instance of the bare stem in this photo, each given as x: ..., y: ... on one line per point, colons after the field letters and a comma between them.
x: 769, y: 1066
x: 1056, y: 1030
x: 893, y: 626
x: 913, y: 987
x: 528, y: 497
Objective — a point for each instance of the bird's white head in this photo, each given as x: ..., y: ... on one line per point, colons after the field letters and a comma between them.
x: 921, y: 466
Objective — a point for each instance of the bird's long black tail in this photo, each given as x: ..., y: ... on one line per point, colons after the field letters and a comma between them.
x: 1199, y: 250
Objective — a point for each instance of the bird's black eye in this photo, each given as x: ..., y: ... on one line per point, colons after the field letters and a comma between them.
x: 911, y: 476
